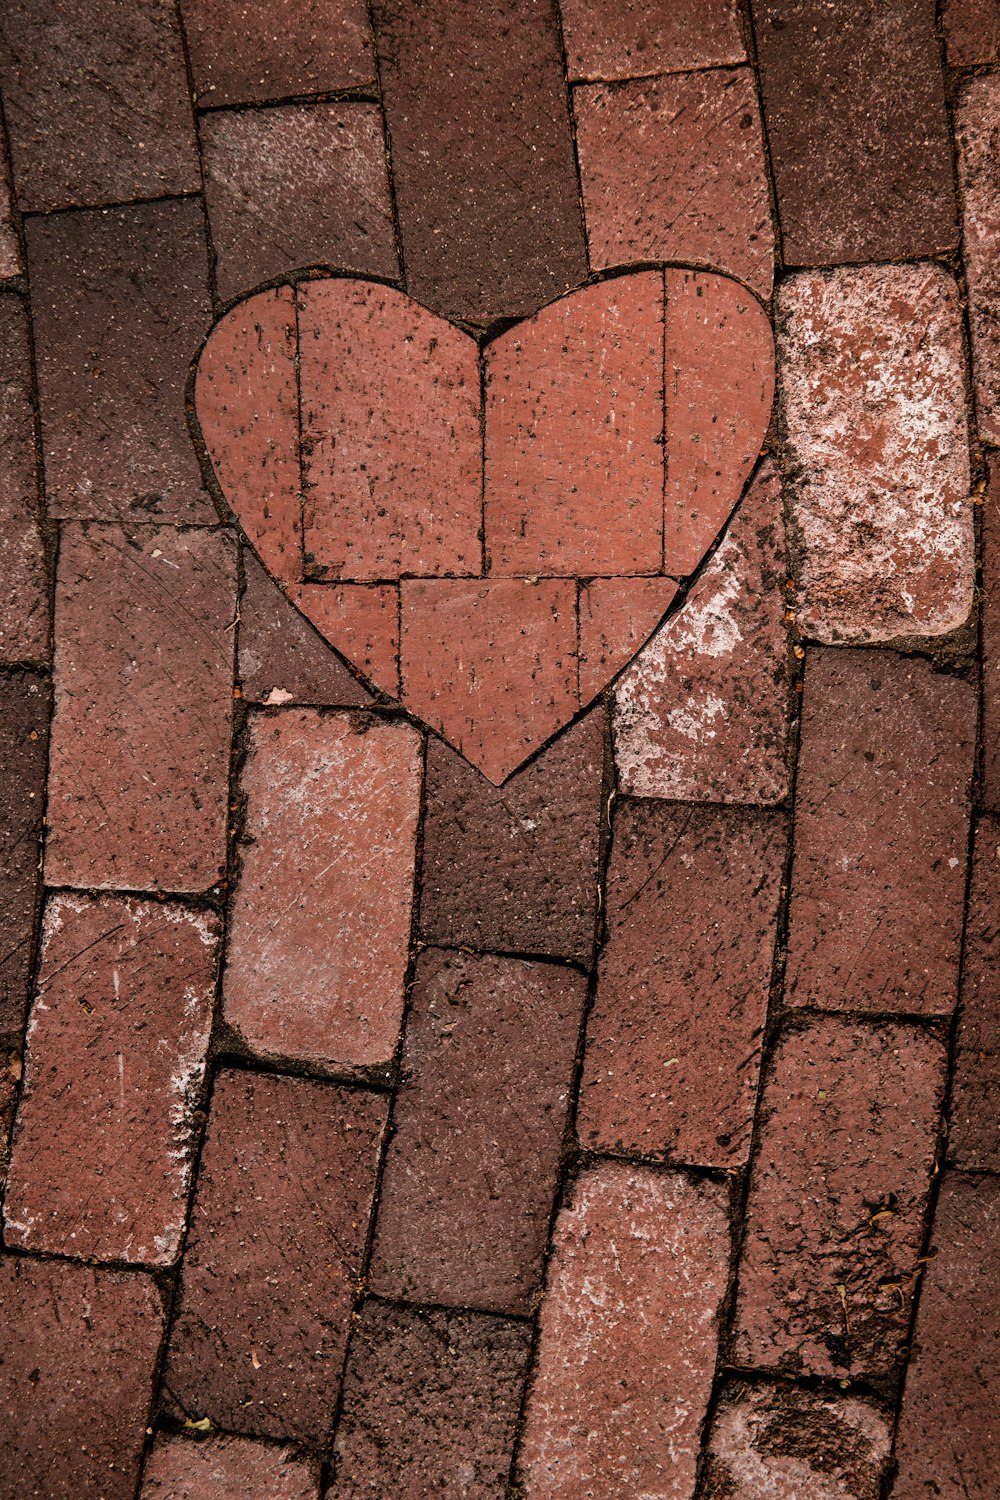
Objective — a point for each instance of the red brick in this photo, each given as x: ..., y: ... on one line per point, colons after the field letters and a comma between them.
x: 283, y: 659
x: 120, y: 305
x: 226, y: 1468
x: 11, y: 263
x: 643, y: 37
x: 673, y: 1039
x: 616, y: 617
x: 24, y: 605
x: 838, y: 1195
x: 246, y: 52
x: 702, y: 712
x: 948, y: 1443
x: 320, y: 923
x: 478, y: 1129
x: 974, y: 1130
x: 24, y: 721
x: 857, y: 129
x: 971, y: 32
x: 978, y: 134
x: 363, y: 619
x: 633, y: 1294
x: 990, y: 633
x: 116, y: 1059
x: 673, y: 169
x: 298, y: 186
x: 431, y: 1399
x: 96, y: 102
x: 873, y: 377
x: 140, y: 739
x: 78, y: 1350
x: 274, y: 1253
x: 881, y: 832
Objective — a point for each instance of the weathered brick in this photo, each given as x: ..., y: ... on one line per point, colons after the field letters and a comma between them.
x: 857, y: 128
x: 24, y: 603
x: 477, y: 111
x: 10, y: 1072
x: 96, y: 102
x: 978, y: 135
x: 246, y: 52
x: 362, y: 620
x: 615, y: 617
x: 282, y: 658
x: 226, y: 1468
x: 78, y: 1350
x: 116, y: 1058
x: 974, y: 1126
x: 24, y: 723
x: 120, y: 305
x: 478, y: 1129
x: 643, y: 37
x: 838, y: 1195
x: 971, y: 32
x: 673, y: 1039
x: 881, y: 833
x: 320, y: 924
x: 274, y: 1253
x: 873, y: 377
x: 673, y: 169
x: 140, y: 738
x: 633, y: 1293
x: 11, y: 263
x: 430, y: 1402
x: 298, y: 186
x: 990, y: 633
x: 948, y: 1444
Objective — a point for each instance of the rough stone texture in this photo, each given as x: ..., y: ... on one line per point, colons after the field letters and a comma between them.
x: 780, y: 1443
x: 948, y: 1444
x: 10, y: 250
x: 857, y: 128
x: 120, y: 304
x: 615, y: 616
x: 24, y: 720
x: 10, y: 1072
x: 515, y: 870
x: 629, y: 1327
x: 430, y: 1403
x: 881, y: 834
x: 702, y: 712
x: 116, y: 1058
x: 320, y: 924
x: 974, y: 1125
x: 364, y: 620
x: 978, y: 136
x: 274, y: 1253
x: 478, y: 1128
x: 674, y: 169
x: 246, y: 52
x: 226, y: 1468
x: 97, y: 102
x: 673, y: 1039
x: 839, y: 1191
x: 482, y: 153
x: 971, y: 32
x: 282, y: 658
x: 873, y: 378
x: 990, y: 634
x: 140, y: 737
x: 303, y: 185
x: 78, y: 1348
x: 643, y: 37
x: 24, y: 603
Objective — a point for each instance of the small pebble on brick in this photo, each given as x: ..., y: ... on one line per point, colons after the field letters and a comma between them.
x: 25, y: 700
x: 24, y: 603
x: 974, y: 1125
x: 978, y: 134
x: 643, y: 37
x: 227, y: 1468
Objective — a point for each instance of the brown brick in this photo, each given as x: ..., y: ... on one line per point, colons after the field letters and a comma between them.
x: 246, y: 52
x: 974, y: 1129
x: 978, y: 134
x: 11, y: 263
x: 971, y: 32
x: 78, y: 1349
x: 226, y: 1468
x: 24, y: 603
x: 482, y: 154
x: 116, y: 1058
x: 478, y: 1129
x: 24, y: 723
x: 633, y: 1293
x: 644, y: 37
x: 430, y: 1403
x: 673, y: 1039
x: 990, y: 631
x: 140, y: 739
x: 282, y: 658
x: 274, y: 1253
x: 838, y: 1195
x: 881, y: 832
x: 120, y: 305
x: 10, y: 1072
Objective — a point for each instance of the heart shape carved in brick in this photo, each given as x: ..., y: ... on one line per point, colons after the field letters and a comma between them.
x: 488, y: 532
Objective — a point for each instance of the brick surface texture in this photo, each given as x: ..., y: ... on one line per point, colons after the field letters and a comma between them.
x: 227, y: 1468
x: 24, y: 610
x: 24, y: 720
x: 974, y: 1131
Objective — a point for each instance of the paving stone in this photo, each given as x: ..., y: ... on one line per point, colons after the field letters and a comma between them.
x: 857, y: 129
x: 96, y: 103
x: 274, y: 1254
x: 302, y: 185
x: 642, y: 37
x: 702, y: 712
x: 78, y: 1350
x: 971, y: 32
x: 478, y: 1130
x: 430, y: 1403
x: 477, y: 112
x: 515, y: 870
x: 319, y: 930
x: 615, y: 617
x: 674, y: 169
x: 634, y: 1287
x: 25, y: 702
x: 282, y: 659
x: 673, y: 1039
x: 974, y: 1126
x: 881, y: 834
x: 783, y: 1443
x: 10, y: 1072
x: 990, y: 632
x: 226, y: 1468
x: 245, y: 52
x: 978, y: 135
x: 873, y: 378
x: 24, y: 605
x: 11, y: 263
x: 140, y: 739
x: 364, y: 620
x: 948, y: 1443
x: 838, y: 1194
x: 117, y: 1042
x: 120, y: 305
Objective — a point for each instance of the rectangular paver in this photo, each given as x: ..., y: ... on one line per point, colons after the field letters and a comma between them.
x: 646, y: 37
x: 245, y: 51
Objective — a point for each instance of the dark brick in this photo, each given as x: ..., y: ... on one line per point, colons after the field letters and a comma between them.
x: 24, y: 723
x: 991, y: 639
x: 478, y: 1129
x: 226, y: 1468
x: 971, y: 32
x: 482, y: 154
x: 282, y: 658
x: 10, y: 1072
x: 643, y: 37
x: 11, y: 263
x: 977, y: 128
x: 974, y: 1129
x: 24, y: 603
